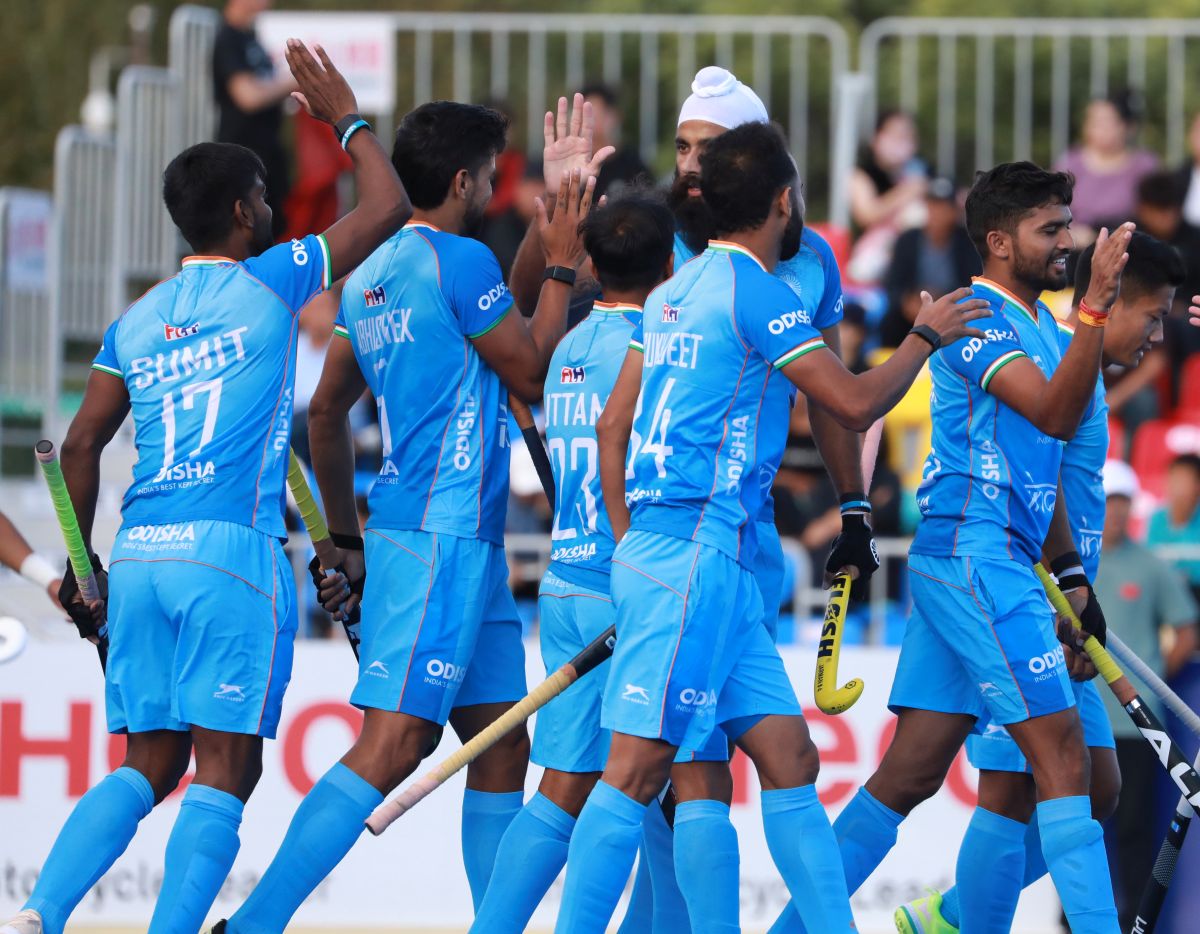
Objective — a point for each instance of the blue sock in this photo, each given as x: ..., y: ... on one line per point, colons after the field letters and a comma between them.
x: 531, y: 854
x: 639, y: 913
x: 805, y: 851
x: 991, y: 867
x: 485, y: 817
x: 706, y: 866
x: 658, y: 844
x: 1035, y: 868
x: 328, y: 821
x: 598, y: 863
x: 200, y: 852
x: 97, y: 832
x: 1073, y: 845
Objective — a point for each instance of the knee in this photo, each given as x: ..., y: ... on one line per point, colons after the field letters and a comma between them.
x: 788, y: 766
x: 1106, y: 786
x: 903, y: 791
x: 502, y: 767
x: 162, y: 767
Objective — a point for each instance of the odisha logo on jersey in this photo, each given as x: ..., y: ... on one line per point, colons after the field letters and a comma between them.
x: 375, y: 296
x: 670, y: 313
x: 173, y: 333
x: 493, y: 295
x: 572, y: 374
x: 192, y: 470
x: 787, y: 320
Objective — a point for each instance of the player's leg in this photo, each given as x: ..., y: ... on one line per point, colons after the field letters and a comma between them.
x: 704, y: 846
x: 570, y: 746
x: 232, y: 602
x: 495, y: 787
x: 104, y: 821
x: 673, y: 601
x: 416, y: 646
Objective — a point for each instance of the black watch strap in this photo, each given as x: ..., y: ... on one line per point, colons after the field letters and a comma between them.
x: 927, y: 334
x: 348, y: 126
x: 560, y: 274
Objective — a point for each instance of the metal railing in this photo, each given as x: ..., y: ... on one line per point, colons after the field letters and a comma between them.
x: 189, y: 58
x: 1021, y: 75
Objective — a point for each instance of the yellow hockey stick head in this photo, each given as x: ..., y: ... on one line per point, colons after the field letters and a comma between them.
x: 830, y: 698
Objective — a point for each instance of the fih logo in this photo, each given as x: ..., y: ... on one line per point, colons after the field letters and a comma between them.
x: 172, y: 333
x: 572, y: 374
x: 374, y: 297
x: 670, y: 313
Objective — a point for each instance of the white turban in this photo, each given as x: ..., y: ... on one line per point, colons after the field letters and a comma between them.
x: 719, y: 97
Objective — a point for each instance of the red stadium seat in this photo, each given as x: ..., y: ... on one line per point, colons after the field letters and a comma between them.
x: 1116, y: 439
x: 1157, y: 443
x: 838, y: 239
x: 1189, y: 388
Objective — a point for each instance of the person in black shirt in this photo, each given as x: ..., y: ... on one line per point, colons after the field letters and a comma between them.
x: 624, y: 166
x: 250, y: 98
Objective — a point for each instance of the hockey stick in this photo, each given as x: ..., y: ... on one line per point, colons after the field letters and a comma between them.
x: 318, y: 531
x: 533, y: 441
x: 81, y: 562
x: 595, y: 654
x: 1182, y: 774
x: 1157, y: 886
x: 830, y: 698
x: 1158, y: 687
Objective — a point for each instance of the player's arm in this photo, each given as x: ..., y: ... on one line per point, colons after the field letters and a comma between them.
x: 16, y: 553
x: 1060, y: 555
x: 383, y: 206
x: 105, y: 405
x: 856, y: 401
x: 518, y: 353
x: 613, y: 430
x: 1055, y: 406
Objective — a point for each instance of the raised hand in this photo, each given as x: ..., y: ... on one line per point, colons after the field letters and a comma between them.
x: 1194, y: 311
x: 1108, y: 262
x: 950, y: 313
x: 569, y: 142
x: 561, y: 239
x: 323, y: 92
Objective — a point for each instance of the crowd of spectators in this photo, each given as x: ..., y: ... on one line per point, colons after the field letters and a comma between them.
x: 907, y: 236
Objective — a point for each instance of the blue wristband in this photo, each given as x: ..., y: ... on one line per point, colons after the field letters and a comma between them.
x: 352, y: 129
x: 856, y: 505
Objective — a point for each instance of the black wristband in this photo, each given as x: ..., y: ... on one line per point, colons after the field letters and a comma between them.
x: 927, y: 334
x: 347, y: 127
x: 346, y: 542
x: 564, y: 274
x: 1068, y: 569
x: 1065, y: 562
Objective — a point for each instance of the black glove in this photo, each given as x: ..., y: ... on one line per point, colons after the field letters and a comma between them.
x: 318, y: 575
x: 1068, y: 569
x: 69, y: 597
x: 855, y: 546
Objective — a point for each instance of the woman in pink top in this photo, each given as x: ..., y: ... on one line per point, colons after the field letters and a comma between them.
x: 1106, y: 165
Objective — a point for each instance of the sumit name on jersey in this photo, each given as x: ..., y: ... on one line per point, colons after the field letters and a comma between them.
x: 189, y: 359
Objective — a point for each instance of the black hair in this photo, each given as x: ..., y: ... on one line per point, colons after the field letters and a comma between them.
x: 201, y: 186
x: 1128, y: 103
x: 742, y: 171
x: 1002, y: 197
x: 891, y: 113
x: 630, y: 239
x: 1188, y: 460
x: 1161, y: 190
x: 1152, y: 264
x: 606, y: 92
x: 438, y: 140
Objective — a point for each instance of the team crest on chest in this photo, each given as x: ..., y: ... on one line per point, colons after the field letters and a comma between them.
x: 374, y: 297
x: 572, y: 374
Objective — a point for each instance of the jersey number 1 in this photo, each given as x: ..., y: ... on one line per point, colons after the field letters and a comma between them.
x: 187, y: 398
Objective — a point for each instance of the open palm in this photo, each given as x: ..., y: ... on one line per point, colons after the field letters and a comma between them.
x: 569, y: 143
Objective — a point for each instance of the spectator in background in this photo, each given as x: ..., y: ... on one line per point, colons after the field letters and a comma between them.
x: 250, y: 98
x: 1106, y: 164
x: 936, y: 258
x: 313, y: 202
x: 887, y: 193
x: 1178, y: 522
x: 510, y: 170
x: 1143, y: 599
x: 1189, y: 176
x: 503, y: 232
x: 625, y: 166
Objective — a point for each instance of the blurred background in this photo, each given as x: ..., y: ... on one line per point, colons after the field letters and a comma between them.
x: 890, y: 107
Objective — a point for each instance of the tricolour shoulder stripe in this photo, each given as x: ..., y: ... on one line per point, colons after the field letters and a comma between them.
x: 327, y: 263
x: 108, y: 369
x: 814, y: 343
x: 637, y: 345
x: 997, y: 365
x: 341, y: 331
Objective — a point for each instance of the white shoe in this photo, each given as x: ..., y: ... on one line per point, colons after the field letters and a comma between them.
x: 27, y: 922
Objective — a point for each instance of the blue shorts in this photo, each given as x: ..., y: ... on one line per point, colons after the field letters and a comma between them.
x: 995, y: 750
x: 690, y: 643
x: 201, y: 619
x: 568, y: 736
x: 768, y: 574
x: 433, y: 604
x: 980, y: 641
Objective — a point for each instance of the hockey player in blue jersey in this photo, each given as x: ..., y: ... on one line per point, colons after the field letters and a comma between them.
x: 427, y: 324
x: 691, y: 651
x: 629, y: 245
x: 980, y: 646
x: 200, y: 608
x: 992, y: 866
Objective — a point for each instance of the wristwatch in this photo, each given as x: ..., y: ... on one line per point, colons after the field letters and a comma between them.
x: 563, y: 274
x: 927, y: 334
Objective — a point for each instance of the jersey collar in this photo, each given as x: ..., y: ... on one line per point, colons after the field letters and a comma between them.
x: 425, y: 224
x: 724, y: 246
x: 1030, y: 313
x: 189, y: 261
x: 612, y: 308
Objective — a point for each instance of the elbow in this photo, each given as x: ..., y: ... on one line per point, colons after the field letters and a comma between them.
x: 1060, y: 430
x: 854, y: 414
x: 527, y: 390
x: 79, y: 444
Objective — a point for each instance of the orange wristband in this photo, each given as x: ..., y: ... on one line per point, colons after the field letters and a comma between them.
x: 1091, y: 317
